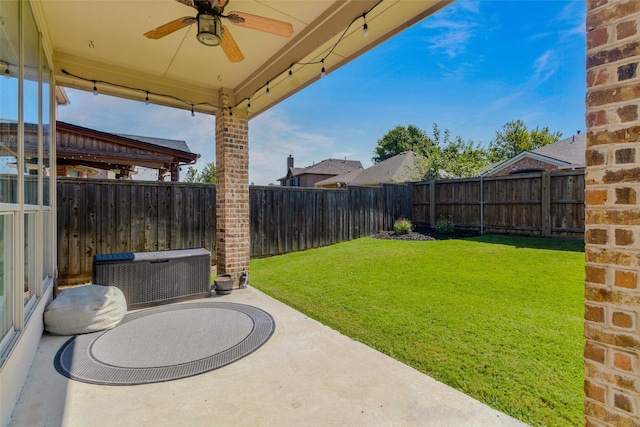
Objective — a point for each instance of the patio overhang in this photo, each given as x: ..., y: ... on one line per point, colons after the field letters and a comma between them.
x: 94, y: 42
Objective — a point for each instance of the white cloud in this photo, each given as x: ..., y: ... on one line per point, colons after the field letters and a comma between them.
x: 545, y: 66
x: 272, y: 138
x: 454, y: 27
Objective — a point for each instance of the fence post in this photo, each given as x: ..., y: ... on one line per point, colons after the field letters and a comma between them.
x: 545, y: 204
x: 481, y: 204
x: 432, y: 203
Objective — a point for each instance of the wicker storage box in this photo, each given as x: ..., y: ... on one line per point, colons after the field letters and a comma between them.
x: 149, y: 278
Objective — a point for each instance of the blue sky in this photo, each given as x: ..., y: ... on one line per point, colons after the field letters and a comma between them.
x: 471, y: 68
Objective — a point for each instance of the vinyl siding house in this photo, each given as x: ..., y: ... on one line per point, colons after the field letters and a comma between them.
x: 568, y: 153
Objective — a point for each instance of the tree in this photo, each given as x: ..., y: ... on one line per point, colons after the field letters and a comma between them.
x: 514, y: 138
x: 401, y: 139
x: 192, y: 175
x: 208, y: 174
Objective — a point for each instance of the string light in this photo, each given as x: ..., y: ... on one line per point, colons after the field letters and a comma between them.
x: 249, y: 107
x: 323, y: 73
x: 365, y: 27
x: 146, y: 92
x: 193, y: 114
x: 7, y: 73
x: 230, y: 111
x: 267, y: 89
x: 146, y: 101
x: 290, y: 74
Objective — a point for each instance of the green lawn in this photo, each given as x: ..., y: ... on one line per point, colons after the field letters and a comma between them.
x: 498, y: 318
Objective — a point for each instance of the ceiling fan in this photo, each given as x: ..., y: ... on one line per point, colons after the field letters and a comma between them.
x: 211, y: 32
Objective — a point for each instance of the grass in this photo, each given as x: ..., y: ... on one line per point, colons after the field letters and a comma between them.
x: 498, y: 318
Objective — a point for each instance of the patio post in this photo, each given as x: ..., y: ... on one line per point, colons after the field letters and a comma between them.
x: 232, y: 188
x: 612, y: 215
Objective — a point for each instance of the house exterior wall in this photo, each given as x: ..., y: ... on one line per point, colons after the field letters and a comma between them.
x: 526, y: 163
x: 309, y: 180
x: 612, y: 253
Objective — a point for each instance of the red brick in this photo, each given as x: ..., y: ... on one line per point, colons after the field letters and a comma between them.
x: 625, y: 196
x: 597, y: 38
x: 628, y: 113
x: 597, y: 118
x: 624, y: 237
x: 622, y: 320
x: 594, y: 158
x: 597, y: 78
x: 594, y: 313
x: 596, y: 274
x: 594, y: 4
x: 606, y: 96
x: 622, y: 361
x: 623, y: 175
x: 625, y: 155
x: 622, y: 401
x: 626, y: 29
x: 626, y: 279
x: 594, y: 352
x: 594, y: 391
x: 596, y: 197
x: 618, y: 10
x: 615, y: 54
x: 596, y: 236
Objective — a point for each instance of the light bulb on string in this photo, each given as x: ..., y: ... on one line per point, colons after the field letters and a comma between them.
x: 365, y: 27
x: 249, y: 107
x: 290, y: 74
x: 193, y: 114
x: 95, y: 89
x: 7, y: 73
x: 230, y: 112
x: 146, y: 101
x: 323, y: 73
x: 268, y: 89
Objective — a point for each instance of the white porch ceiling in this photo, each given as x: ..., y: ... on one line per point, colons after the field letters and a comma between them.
x: 103, y: 41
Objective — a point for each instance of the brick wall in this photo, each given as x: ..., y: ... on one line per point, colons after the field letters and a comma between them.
x: 232, y: 192
x: 612, y: 295
x: 526, y: 163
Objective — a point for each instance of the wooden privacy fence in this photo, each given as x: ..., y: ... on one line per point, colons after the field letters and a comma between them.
x: 106, y: 216
x: 537, y: 204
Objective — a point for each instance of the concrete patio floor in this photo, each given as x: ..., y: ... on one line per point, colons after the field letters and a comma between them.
x: 307, y: 374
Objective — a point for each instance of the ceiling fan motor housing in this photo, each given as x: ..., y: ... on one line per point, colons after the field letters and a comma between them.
x: 209, y: 28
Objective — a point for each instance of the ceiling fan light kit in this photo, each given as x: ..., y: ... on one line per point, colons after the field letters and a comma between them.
x: 209, y: 29
x: 211, y: 32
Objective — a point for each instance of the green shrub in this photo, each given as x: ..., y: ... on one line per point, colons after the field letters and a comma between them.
x: 445, y: 226
x: 402, y: 226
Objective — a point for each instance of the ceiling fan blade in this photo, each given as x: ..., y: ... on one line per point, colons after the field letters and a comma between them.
x: 230, y: 47
x: 170, y: 27
x: 260, y: 23
x: 187, y: 3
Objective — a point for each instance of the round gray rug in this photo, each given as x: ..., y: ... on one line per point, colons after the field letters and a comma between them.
x: 166, y: 343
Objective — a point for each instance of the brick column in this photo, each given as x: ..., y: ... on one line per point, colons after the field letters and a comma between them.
x: 612, y: 294
x: 232, y: 190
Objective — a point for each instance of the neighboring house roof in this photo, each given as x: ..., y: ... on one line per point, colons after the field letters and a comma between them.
x: 570, y: 150
x: 339, y: 180
x: 326, y: 167
x: 566, y: 154
x: 174, y: 144
x: 399, y: 168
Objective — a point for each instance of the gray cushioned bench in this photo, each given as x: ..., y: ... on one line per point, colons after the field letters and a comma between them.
x: 149, y: 278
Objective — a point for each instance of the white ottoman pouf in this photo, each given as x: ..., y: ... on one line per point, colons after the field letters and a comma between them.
x: 85, y: 309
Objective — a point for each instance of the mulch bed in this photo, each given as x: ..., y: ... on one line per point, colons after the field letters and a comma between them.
x: 420, y: 233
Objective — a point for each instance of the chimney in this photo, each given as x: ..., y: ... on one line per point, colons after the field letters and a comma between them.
x: 289, y: 161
